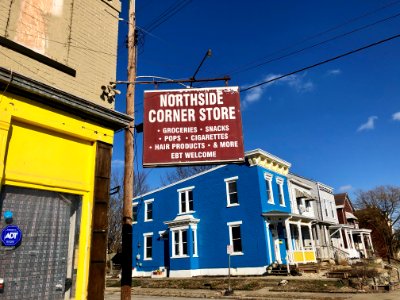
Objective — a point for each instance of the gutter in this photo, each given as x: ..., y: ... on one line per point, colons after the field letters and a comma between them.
x: 26, y: 87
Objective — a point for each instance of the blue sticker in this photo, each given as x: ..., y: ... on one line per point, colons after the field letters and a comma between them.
x: 11, y: 236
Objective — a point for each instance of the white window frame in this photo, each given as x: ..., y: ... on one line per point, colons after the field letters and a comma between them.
x: 146, y: 204
x: 179, y: 230
x: 268, y: 178
x: 145, y: 236
x: 230, y: 226
x: 186, y: 191
x: 135, y: 204
x: 280, y: 181
x: 228, y: 195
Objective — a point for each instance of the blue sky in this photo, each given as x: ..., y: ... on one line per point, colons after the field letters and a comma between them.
x: 338, y: 123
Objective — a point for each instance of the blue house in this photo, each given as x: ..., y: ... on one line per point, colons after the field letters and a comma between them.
x: 188, y: 228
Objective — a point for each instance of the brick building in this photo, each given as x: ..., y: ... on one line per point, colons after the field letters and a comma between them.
x: 56, y: 136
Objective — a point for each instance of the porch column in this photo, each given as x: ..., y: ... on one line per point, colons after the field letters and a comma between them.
x: 346, y: 235
x: 312, y: 241
x: 341, y: 239
x: 269, y: 243
x: 311, y: 237
x: 370, y: 242
x: 301, y: 240
x: 327, y: 240
x: 352, y: 240
x: 363, y: 245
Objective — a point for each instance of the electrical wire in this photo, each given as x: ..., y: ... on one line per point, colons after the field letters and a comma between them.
x: 320, y: 43
x: 27, y: 68
x: 64, y: 43
x: 322, y: 62
x: 167, y: 14
x: 248, y: 65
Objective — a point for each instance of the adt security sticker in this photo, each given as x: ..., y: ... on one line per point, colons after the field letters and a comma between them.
x: 11, y: 236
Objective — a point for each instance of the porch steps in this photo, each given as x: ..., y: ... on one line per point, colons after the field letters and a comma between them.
x: 337, y: 274
x: 309, y: 268
x: 279, y: 270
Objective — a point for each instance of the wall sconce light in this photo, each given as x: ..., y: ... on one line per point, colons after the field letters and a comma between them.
x: 8, y: 217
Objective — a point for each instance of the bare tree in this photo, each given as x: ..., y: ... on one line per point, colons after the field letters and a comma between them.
x: 116, y: 202
x: 380, y: 211
x: 180, y: 173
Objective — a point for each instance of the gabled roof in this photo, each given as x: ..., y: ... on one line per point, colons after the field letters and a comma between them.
x: 340, y: 199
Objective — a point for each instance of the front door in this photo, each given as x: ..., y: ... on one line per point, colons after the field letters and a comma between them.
x: 276, y: 243
x: 42, y: 265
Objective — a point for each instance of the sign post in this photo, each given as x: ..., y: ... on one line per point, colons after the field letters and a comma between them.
x: 229, y: 250
x: 192, y: 126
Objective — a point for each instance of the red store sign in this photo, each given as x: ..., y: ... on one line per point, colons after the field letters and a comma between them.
x: 193, y: 126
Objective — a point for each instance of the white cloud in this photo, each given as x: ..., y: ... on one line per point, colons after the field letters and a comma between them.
x: 369, y: 125
x: 296, y: 82
x: 117, y: 163
x: 396, y: 116
x: 334, y: 72
x: 345, y: 188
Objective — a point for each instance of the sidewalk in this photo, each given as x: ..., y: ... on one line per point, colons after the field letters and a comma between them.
x: 263, y: 293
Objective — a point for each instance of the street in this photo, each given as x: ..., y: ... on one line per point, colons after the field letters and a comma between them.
x: 114, y: 294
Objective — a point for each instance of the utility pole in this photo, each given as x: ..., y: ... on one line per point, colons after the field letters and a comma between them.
x: 126, y: 274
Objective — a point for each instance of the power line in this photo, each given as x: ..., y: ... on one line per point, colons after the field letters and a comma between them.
x: 63, y: 43
x: 29, y: 69
x: 322, y: 62
x: 318, y: 44
x: 167, y: 14
x: 238, y: 70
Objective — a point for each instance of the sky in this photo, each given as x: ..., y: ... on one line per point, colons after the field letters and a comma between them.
x: 337, y: 123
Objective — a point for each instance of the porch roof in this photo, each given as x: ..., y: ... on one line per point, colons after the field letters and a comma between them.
x: 182, y: 220
x: 286, y: 215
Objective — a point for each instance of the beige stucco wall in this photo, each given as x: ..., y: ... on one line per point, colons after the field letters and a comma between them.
x: 81, y: 34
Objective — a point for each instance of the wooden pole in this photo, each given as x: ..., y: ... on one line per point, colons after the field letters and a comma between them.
x: 126, y: 274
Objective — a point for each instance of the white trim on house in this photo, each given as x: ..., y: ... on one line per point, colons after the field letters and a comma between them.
x: 268, y: 178
x: 247, y: 154
x: 185, y: 191
x: 189, y: 188
x: 280, y: 181
x: 145, y: 236
x: 207, y: 272
x: 265, y: 153
x: 146, y: 203
x: 235, y: 224
x: 180, y: 181
x: 228, y: 195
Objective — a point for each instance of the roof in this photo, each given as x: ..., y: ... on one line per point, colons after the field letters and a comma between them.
x: 350, y: 216
x: 269, y: 155
x: 248, y: 154
x: 340, y: 199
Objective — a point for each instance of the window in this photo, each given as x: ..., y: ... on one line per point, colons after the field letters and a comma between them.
x: 148, y: 210
x: 148, y: 246
x: 235, y: 237
x: 180, y: 242
x: 231, y: 191
x: 186, y: 200
x: 268, y: 186
x: 279, y: 181
x: 308, y: 205
x: 134, y: 212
